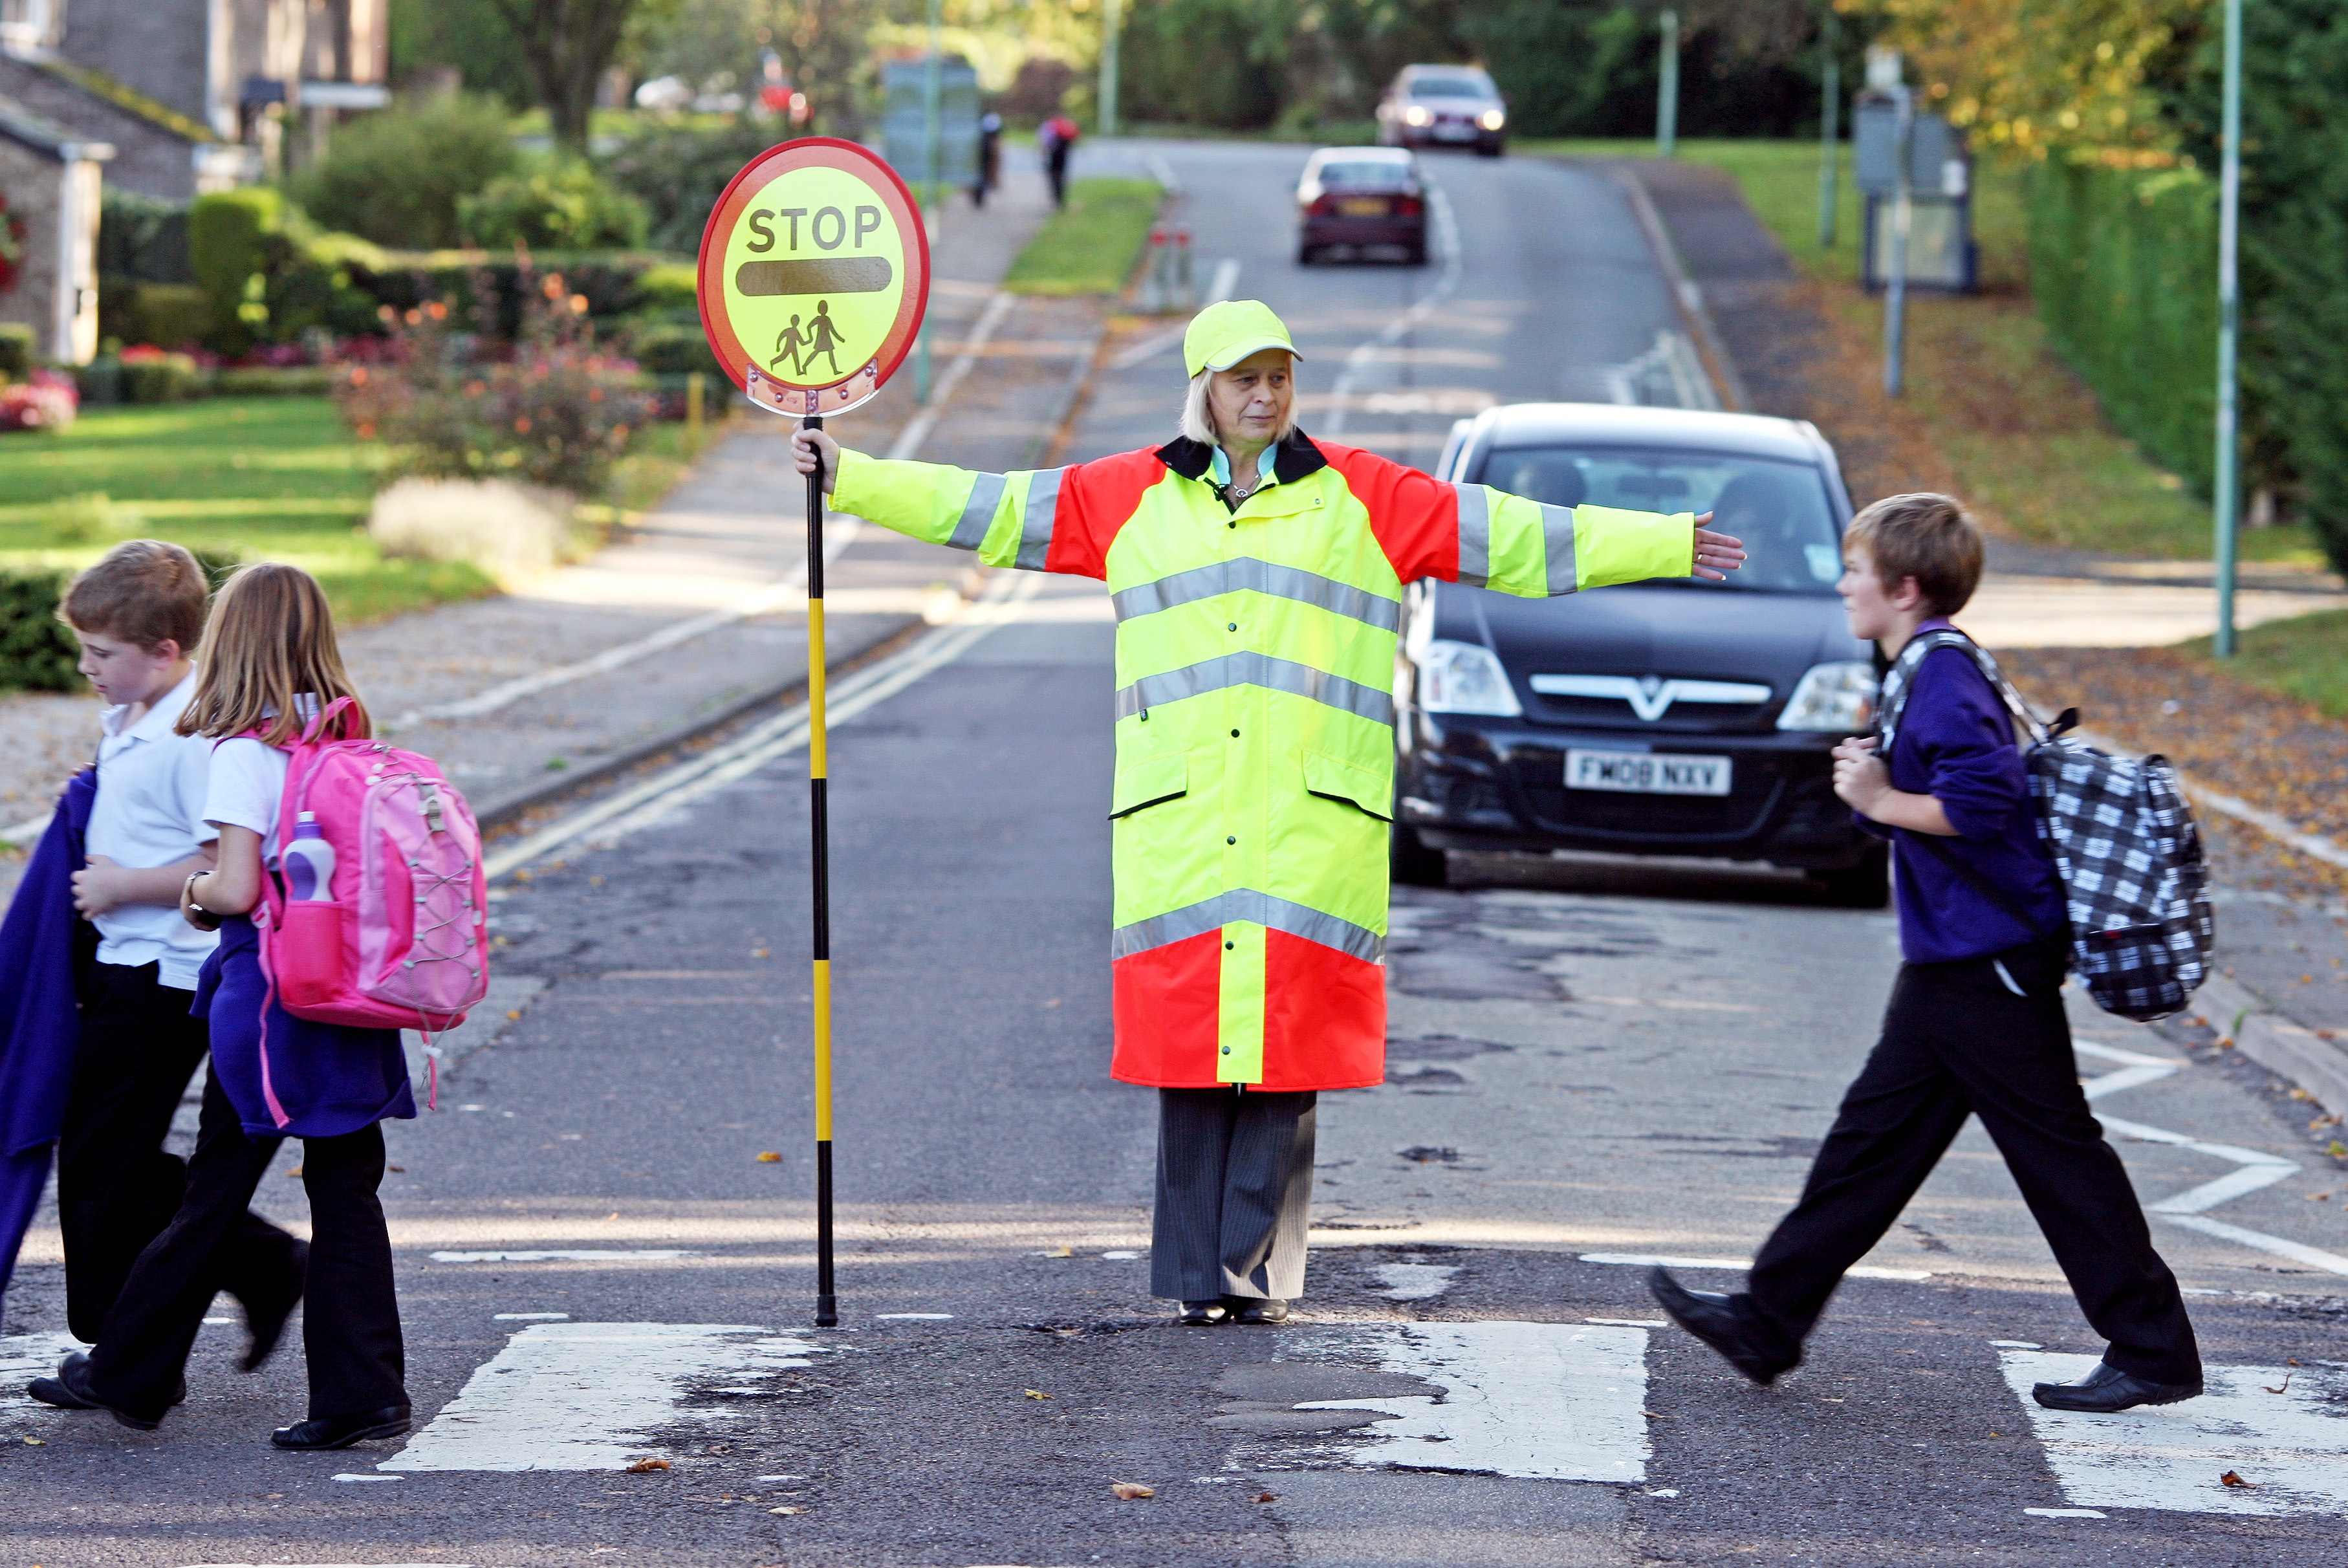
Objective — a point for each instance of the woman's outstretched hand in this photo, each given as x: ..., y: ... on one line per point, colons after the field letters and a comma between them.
x: 1716, y: 554
x: 806, y: 444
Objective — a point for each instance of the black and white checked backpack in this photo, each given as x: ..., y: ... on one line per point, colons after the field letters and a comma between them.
x: 2123, y: 841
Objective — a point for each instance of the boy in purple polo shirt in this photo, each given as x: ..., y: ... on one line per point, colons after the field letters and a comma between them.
x: 1975, y: 1025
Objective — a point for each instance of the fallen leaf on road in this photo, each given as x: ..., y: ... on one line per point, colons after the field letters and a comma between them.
x: 2286, y: 1384
x: 295, y: 1171
x: 1267, y: 1496
x: 1130, y: 1490
x: 511, y: 1014
x: 787, y: 1508
x: 1057, y: 1253
x: 768, y: 1157
x: 397, y: 1170
x: 36, y: 1442
x: 641, y: 1466
x: 1037, y: 1394
x: 2230, y: 1478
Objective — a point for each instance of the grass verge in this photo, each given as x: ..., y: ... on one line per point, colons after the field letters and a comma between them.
x: 2305, y: 657
x: 2020, y: 435
x: 1089, y: 246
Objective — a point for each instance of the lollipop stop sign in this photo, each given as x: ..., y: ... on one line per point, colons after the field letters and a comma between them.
x: 815, y: 271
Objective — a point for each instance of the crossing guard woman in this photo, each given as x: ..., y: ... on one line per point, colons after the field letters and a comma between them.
x: 1258, y: 578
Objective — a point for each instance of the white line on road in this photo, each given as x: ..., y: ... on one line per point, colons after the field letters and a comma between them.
x: 585, y: 1396
x: 2274, y: 1427
x: 1414, y: 1281
x: 1648, y: 1260
x: 630, y: 809
x: 1540, y: 1401
x: 1447, y: 242
x: 572, y: 1255
x: 915, y: 432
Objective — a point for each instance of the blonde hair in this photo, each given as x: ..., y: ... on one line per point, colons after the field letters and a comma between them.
x: 1931, y: 538
x: 1199, y: 420
x: 270, y: 644
x: 144, y: 591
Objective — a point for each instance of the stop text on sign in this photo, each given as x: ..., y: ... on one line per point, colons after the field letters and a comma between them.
x: 814, y: 275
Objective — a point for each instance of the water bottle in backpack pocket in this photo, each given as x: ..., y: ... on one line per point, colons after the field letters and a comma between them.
x: 310, y: 930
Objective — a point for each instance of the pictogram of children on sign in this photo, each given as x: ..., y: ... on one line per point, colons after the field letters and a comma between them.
x: 801, y: 347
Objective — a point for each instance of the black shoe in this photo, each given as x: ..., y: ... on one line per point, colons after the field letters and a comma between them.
x: 265, y: 1314
x: 1255, y: 1309
x: 2108, y: 1391
x: 1202, y: 1313
x: 342, y: 1431
x: 1710, y: 1318
x: 69, y: 1390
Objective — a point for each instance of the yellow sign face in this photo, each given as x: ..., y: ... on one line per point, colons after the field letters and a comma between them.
x: 814, y: 276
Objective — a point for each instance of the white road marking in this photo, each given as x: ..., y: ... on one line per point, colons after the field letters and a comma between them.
x: 912, y: 1317
x: 330, y: 1566
x: 585, y: 1396
x: 2017, y: 1344
x: 1643, y: 1260
x: 1414, y: 1282
x: 1447, y: 245
x: 1629, y: 1322
x: 1539, y: 1401
x: 638, y: 806
x: 347, y: 1476
x: 1120, y: 1256
x: 530, y: 1317
x: 25, y: 1356
x: 918, y: 429
x: 2286, y: 1445
x: 2067, y: 1513
x: 567, y: 1255
x: 2257, y: 1169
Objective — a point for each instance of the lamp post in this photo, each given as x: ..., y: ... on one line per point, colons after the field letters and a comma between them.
x: 1109, y: 68
x: 1895, y: 283
x: 2227, y: 481
x: 1830, y: 109
x: 1667, y: 88
x: 930, y: 152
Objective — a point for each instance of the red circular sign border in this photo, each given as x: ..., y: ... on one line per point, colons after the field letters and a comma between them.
x: 804, y: 152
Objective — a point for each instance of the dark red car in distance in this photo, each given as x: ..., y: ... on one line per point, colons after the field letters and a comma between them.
x: 1360, y: 199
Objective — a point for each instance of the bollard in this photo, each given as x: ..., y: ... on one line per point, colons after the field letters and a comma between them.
x: 1186, y: 293
x: 692, y: 395
x: 1153, y: 284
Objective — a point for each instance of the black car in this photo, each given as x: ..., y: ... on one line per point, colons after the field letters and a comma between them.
x: 1675, y: 717
x: 1360, y: 199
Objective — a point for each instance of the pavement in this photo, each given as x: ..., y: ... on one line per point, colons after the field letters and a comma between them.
x: 605, y: 1238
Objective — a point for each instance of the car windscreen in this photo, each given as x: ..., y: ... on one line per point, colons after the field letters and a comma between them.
x: 1448, y: 87
x: 1779, y: 508
x: 1366, y: 174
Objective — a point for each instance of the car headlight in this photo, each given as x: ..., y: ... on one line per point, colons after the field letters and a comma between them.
x: 1835, y: 696
x: 1417, y: 115
x: 1491, y: 120
x: 1464, y: 677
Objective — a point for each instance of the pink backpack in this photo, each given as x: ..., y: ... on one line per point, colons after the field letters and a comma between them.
x: 393, y: 936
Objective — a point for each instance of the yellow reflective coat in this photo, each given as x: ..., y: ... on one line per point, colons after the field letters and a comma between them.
x: 1256, y: 672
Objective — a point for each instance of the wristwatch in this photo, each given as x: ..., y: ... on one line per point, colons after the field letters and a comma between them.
x: 198, y: 915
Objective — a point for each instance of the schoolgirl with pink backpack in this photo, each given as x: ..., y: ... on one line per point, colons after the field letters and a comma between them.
x: 350, y: 898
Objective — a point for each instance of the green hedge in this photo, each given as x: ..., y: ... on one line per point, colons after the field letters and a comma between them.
x: 2123, y: 266
x: 37, y: 651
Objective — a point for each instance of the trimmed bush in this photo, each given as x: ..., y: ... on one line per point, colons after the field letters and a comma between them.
x: 562, y: 206
x: 16, y: 350
x: 169, y: 315
x: 2123, y: 267
x: 396, y: 177
x: 37, y: 651
x: 671, y: 349
x: 226, y: 235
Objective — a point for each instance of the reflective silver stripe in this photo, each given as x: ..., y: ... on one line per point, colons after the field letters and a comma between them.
x: 1251, y: 575
x: 1258, y: 670
x: 1247, y: 903
x: 1557, y: 530
x: 1474, y: 534
x: 1035, y: 523
x: 978, y: 512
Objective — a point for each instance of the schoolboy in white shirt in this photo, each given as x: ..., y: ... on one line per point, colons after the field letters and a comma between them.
x: 139, y: 614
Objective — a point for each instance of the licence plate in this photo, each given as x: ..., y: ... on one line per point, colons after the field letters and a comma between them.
x: 1362, y: 207
x: 1646, y: 773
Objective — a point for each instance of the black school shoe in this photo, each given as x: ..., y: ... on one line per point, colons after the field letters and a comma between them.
x: 321, y: 1432
x: 1709, y: 1316
x: 1255, y: 1309
x: 1202, y: 1314
x: 69, y: 1390
x: 2108, y: 1391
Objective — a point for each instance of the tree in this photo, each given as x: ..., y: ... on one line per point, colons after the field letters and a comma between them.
x: 567, y: 45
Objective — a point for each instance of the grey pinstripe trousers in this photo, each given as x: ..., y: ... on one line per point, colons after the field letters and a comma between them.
x: 1234, y: 1185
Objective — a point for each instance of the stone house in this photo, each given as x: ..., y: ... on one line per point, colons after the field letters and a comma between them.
x: 51, y: 178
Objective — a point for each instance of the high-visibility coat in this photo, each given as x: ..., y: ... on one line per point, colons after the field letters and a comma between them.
x: 1255, y: 751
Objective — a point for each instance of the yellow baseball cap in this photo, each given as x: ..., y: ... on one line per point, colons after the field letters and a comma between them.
x: 1220, y: 335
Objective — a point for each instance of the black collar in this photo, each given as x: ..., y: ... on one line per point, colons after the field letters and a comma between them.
x: 1292, y: 459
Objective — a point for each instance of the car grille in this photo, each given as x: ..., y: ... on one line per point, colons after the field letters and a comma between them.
x: 1540, y: 780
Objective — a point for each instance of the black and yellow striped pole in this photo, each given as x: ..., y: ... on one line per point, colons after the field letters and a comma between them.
x: 826, y: 1297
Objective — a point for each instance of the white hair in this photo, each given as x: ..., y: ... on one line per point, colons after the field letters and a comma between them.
x: 1198, y: 420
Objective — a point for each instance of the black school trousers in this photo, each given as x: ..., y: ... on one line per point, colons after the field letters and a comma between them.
x: 1958, y: 1041
x: 117, y: 1186
x: 1234, y: 1190
x: 350, y: 1314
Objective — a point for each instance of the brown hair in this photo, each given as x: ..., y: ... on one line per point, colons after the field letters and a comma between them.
x: 272, y: 643
x: 1931, y: 538
x: 142, y: 590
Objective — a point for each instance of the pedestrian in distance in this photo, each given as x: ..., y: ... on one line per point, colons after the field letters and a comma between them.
x: 990, y: 158
x: 271, y: 667
x: 139, y: 615
x: 1057, y: 138
x: 1975, y: 1024
x: 1258, y: 580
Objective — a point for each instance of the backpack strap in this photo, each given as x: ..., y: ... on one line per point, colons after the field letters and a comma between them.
x: 1902, y: 673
